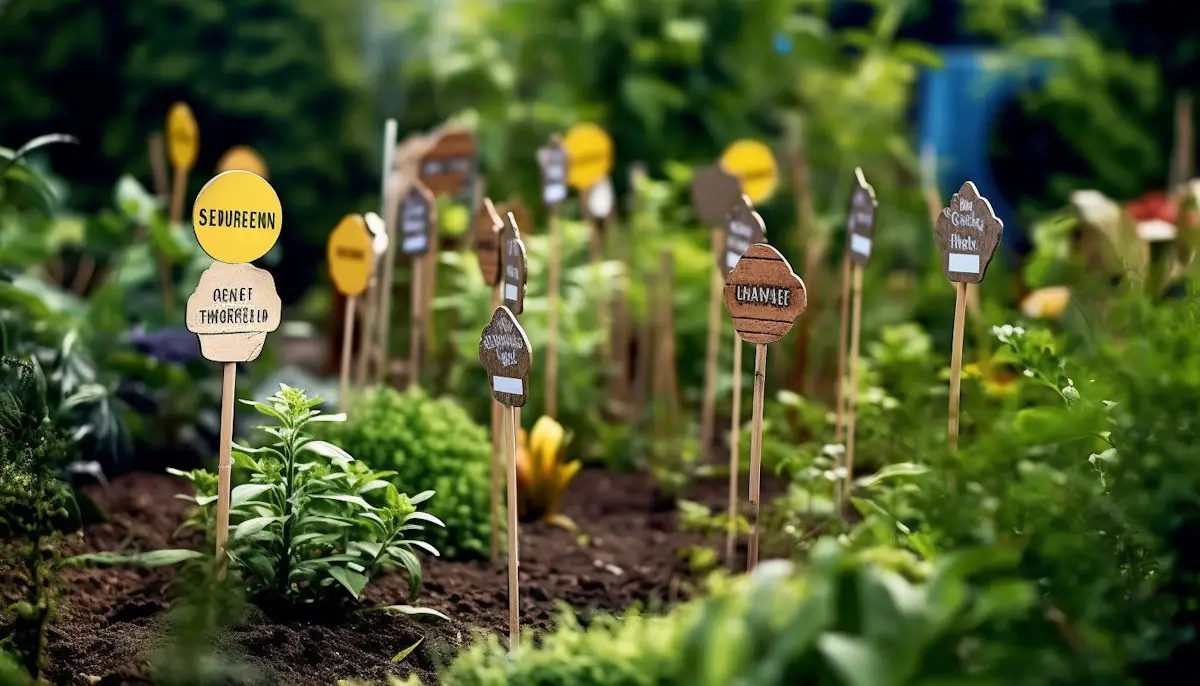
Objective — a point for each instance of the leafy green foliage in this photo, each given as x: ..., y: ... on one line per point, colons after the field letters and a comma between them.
x: 426, y: 443
x: 313, y: 524
x: 33, y: 503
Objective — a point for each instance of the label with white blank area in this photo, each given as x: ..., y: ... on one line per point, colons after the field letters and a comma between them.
x: 964, y: 264
x: 860, y: 244
x: 506, y: 384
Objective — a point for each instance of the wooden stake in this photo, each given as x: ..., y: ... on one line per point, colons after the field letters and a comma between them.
x: 429, y: 289
x: 497, y: 460
x: 347, y: 345
x: 367, y: 351
x: 418, y: 322
x: 618, y: 248
x: 514, y: 625
x: 760, y: 385
x: 852, y: 386
x: 158, y: 165
x: 551, y: 389
x: 960, y: 305
x: 225, y: 465
x: 712, y: 351
x: 735, y: 443
x: 178, y: 190
x: 383, y: 354
x: 841, y: 361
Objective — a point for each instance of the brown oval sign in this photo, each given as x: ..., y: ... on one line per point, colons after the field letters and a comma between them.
x: 763, y: 295
x: 516, y: 265
x: 449, y: 166
x: 968, y: 233
x: 487, y: 241
x: 743, y: 228
x: 714, y: 191
x: 505, y: 352
x: 860, y: 223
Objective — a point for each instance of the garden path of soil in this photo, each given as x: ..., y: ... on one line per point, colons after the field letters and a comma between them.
x: 110, y: 619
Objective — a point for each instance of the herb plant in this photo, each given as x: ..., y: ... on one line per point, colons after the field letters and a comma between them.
x: 312, y: 523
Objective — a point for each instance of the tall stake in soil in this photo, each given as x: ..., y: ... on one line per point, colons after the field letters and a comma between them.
x: 497, y: 447
x: 418, y: 320
x: 760, y: 385
x: 712, y: 352
x: 852, y: 391
x: 552, y: 316
x: 960, y: 305
x: 225, y: 464
x: 735, y: 449
x: 514, y: 625
x: 347, y: 344
x: 839, y: 424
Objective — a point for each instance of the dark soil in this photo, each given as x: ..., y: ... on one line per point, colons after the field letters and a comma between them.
x: 110, y: 620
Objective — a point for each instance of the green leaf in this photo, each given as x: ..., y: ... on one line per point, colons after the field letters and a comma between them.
x: 263, y: 408
x: 404, y: 653
x: 410, y: 610
x: 353, y: 581
x: 411, y: 565
x: 855, y: 660
x: 426, y: 547
x: 351, y: 499
x: 253, y: 526
x: 326, y: 449
x: 148, y: 560
x: 424, y: 517
x: 329, y: 418
x: 891, y: 471
x: 245, y: 492
x: 421, y: 497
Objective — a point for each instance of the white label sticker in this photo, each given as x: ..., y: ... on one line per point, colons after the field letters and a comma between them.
x: 860, y: 244
x: 554, y: 193
x: 510, y: 292
x: 731, y: 260
x: 414, y: 243
x: 964, y: 264
x: 504, y: 384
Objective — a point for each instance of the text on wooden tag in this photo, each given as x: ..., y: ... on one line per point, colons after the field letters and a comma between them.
x: 763, y: 295
x: 967, y: 234
x: 743, y: 228
x: 516, y: 265
x: 860, y: 223
x: 505, y: 352
x: 418, y: 219
x: 552, y: 160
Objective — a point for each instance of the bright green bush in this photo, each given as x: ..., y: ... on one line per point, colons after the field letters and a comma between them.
x: 431, y: 444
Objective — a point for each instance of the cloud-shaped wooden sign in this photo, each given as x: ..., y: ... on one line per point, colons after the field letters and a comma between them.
x: 505, y: 352
x: 232, y: 310
x: 763, y: 295
x: 968, y: 233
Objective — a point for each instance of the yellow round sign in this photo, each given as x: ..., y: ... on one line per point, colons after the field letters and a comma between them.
x: 754, y: 166
x: 350, y: 254
x: 589, y: 155
x: 237, y: 217
x: 183, y: 136
x: 242, y: 157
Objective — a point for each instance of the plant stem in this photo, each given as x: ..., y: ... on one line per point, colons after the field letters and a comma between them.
x: 285, y: 561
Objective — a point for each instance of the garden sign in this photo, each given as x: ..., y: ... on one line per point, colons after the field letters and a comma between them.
x: 860, y: 225
x: 351, y: 256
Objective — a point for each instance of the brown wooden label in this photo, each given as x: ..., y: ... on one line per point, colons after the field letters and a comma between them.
x: 448, y: 167
x: 714, y: 192
x: 763, y: 295
x: 487, y: 241
x: 418, y: 220
x: 520, y: 211
x: 552, y: 159
x: 516, y: 265
x: 232, y: 310
x: 967, y: 234
x: 860, y: 223
x: 505, y: 352
x: 743, y: 228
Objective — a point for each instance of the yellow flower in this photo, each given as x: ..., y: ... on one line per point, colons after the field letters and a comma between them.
x: 1046, y: 303
x: 997, y: 379
x: 542, y: 478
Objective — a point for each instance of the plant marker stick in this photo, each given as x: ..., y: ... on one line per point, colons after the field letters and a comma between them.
x: 735, y: 443
x: 852, y: 391
x: 497, y: 461
x: 347, y: 345
x: 841, y: 361
x: 760, y: 385
x: 712, y: 351
x: 514, y: 589
x: 225, y: 465
x: 552, y: 161
x: 366, y: 355
x: 350, y: 253
x: 158, y: 166
x: 183, y: 143
x: 960, y: 312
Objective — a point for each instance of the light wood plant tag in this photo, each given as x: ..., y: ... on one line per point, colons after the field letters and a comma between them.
x: 714, y: 191
x: 552, y: 160
x: 743, y: 228
x: 860, y: 223
x: 516, y: 265
x: 967, y: 234
x: 448, y: 168
x: 487, y: 241
x: 418, y: 219
x: 232, y: 310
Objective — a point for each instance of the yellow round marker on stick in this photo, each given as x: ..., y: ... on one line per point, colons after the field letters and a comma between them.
x: 589, y: 155
x: 350, y: 254
x: 183, y: 136
x: 244, y: 158
x: 237, y: 217
x: 754, y: 166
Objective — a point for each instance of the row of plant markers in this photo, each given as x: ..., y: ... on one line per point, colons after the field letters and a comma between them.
x: 237, y: 218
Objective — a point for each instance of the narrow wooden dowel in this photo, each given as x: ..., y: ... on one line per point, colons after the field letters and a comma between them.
x: 596, y: 249
x: 712, y: 353
x: 552, y: 317
x: 960, y: 305
x: 367, y: 335
x: 418, y: 322
x: 735, y: 443
x: 839, y: 425
x: 225, y: 465
x: 429, y: 290
x: 347, y: 344
x: 164, y: 265
x: 497, y: 461
x: 760, y: 387
x: 852, y: 385
x: 158, y: 166
x: 382, y: 354
x: 514, y: 623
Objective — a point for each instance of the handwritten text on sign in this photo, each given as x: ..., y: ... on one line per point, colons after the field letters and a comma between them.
x: 506, y: 354
x: 232, y: 309
x: 743, y: 228
x: 968, y: 233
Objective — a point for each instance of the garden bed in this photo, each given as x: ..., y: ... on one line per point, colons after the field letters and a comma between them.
x: 111, y: 619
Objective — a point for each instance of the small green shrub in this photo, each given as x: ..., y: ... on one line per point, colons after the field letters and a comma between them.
x: 429, y: 444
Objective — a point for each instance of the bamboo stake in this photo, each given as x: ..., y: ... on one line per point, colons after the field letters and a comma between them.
x: 960, y: 304
x: 852, y: 390
x: 224, y: 465
x: 712, y: 351
x: 417, y: 293
x: 760, y: 385
x: 158, y: 166
x: 735, y: 443
x: 514, y: 625
x: 841, y: 361
x: 552, y: 316
x: 383, y: 354
x: 497, y: 448
x: 620, y: 315
x: 367, y: 352
x: 347, y: 344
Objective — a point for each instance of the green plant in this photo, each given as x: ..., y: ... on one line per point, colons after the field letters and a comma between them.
x: 11, y: 673
x: 33, y: 504
x: 312, y: 523
x: 427, y: 444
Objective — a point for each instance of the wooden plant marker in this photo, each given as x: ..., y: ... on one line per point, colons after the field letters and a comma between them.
x: 861, y: 226
x: 589, y: 152
x: 183, y: 145
x: 242, y: 157
x: 516, y: 265
x: 764, y: 297
x: 351, y: 256
x: 487, y: 249
x: 237, y: 219
x: 506, y: 354
x: 418, y: 221
x: 597, y: 203
x: 967, y: 233
x: 377, y: 223
x: 552, y: 160
x: 743, y: 227
x: 713, y: 191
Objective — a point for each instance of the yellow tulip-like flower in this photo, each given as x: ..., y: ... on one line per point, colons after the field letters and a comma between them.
x: 542, y: 478
x: 1046, y: 303
x: 997, y: 379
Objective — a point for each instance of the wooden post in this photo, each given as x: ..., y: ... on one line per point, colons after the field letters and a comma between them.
x: 418, y: 322
x: 225, y: 465
x: 551, y: 389
x: 347, y: 344
x: 382, y: 356
x: 735, y: 442
x: 497, y: 460
x: 960, y: 306
x: 514, y: 624
x: 841, y: 361
x: 158, y: 166
x: 367, y: 351
x: 760, y: 385
x: 852, y: 390
x: 712, y: 352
